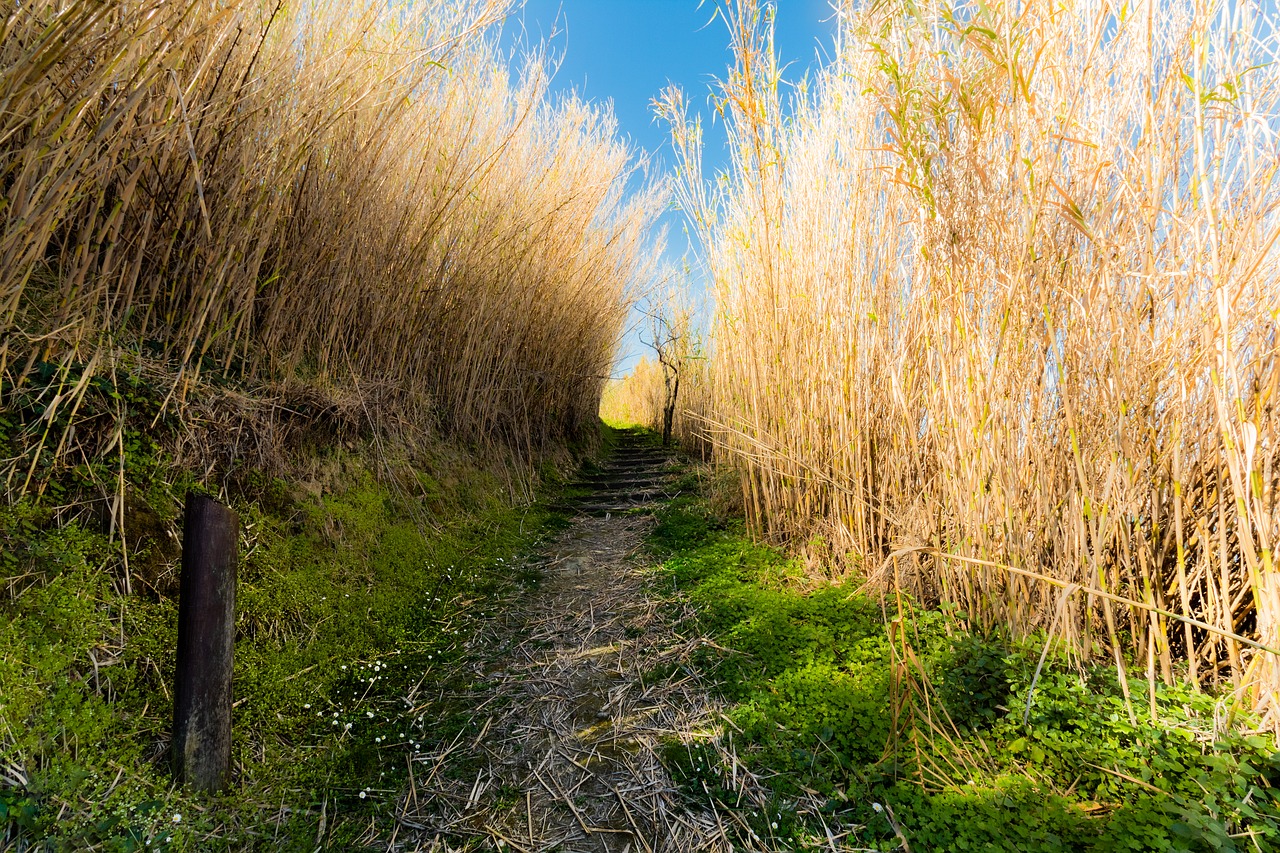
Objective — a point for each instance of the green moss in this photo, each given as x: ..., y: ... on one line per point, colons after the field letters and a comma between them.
x: 353, y: 589
x: 808, y: 674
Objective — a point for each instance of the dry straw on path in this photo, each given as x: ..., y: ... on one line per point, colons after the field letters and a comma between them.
x: 578, y: 686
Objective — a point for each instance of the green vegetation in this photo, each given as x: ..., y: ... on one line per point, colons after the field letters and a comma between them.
x: 864, y: 718
x: 365, y: 566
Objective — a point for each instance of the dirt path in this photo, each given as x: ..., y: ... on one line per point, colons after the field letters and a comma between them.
x: 569, y: 717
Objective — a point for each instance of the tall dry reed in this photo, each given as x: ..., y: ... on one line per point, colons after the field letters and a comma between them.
x: 997, y: 302
x: 326, y: 192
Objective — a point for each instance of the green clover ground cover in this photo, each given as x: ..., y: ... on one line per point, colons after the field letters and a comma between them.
x: 815, y: 707
x: 354, y: 588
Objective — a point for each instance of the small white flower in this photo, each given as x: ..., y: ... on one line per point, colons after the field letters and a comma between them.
x: 363, y: 795
x: 307, y: 707
x: 877, y: 807
x: 773, y: 825
x: 369, y: 714
x: 344, y: 666
x: 177, y: 817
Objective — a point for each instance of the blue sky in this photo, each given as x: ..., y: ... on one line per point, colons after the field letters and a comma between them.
x: 627, y: 51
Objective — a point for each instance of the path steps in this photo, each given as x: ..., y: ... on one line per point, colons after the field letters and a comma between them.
x: 570, y: 714
x: 636, y: 475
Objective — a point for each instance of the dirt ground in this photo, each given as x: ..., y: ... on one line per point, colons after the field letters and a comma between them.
x: 570, y: 719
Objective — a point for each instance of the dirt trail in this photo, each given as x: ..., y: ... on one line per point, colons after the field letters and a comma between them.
x: 565, y: 752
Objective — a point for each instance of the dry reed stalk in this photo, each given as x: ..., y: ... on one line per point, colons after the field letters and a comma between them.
x: 1001, y: 282
x: 323, y: 193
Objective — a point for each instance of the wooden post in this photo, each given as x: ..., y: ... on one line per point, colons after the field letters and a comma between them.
x: 206, y: 631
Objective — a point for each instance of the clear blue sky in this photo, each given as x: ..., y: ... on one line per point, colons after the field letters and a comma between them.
x: 628, y: 51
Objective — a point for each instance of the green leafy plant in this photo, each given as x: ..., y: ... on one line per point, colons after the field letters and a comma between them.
x: 808, y: 673
x: 973, y: 681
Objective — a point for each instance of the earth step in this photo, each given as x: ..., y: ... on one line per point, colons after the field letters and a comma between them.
x: 633, y: 469
x: 612, y: 506
x: 614, y: 480
x: 628, y: 494
x: 607, y: 477
x: 636, y: 474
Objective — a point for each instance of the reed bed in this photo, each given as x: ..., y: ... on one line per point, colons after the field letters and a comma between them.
x: 635, y: 399
x: 996, y: 317
x: 359, y: 196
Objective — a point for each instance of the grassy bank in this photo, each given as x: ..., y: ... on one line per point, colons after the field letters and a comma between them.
x: 893, y: 725
x: 366, y: 559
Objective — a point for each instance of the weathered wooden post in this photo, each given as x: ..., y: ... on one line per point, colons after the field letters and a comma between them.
x: 206, y: 630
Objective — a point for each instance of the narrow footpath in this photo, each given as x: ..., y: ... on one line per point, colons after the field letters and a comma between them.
x: 568, y: 718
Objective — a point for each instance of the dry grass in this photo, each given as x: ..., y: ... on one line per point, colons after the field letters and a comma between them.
x: 321, y: 193
x: 997, y: 299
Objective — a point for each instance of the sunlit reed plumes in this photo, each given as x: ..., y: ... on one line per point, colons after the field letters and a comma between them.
x: 635, y: 399
x: 996, y: 315
x: 320, y: 191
